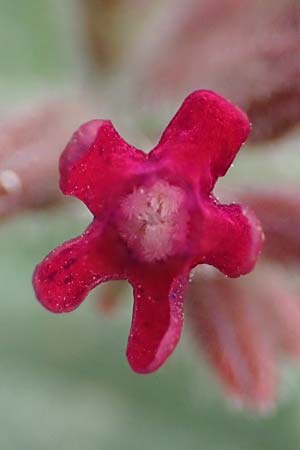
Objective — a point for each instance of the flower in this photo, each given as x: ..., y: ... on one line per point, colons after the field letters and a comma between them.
x: 154, y: 220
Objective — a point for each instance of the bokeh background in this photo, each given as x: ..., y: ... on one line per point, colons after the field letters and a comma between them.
x: 64, y: 380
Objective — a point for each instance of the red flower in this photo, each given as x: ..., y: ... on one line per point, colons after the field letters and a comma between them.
x: 154, y: 220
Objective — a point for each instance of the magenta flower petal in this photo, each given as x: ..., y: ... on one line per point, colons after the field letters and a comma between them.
x: 95, y: 158
x: 155, y: 219
x: 233, y: 238
x: 157, y: 320
x: 204, y: 136
x: 65, y: 277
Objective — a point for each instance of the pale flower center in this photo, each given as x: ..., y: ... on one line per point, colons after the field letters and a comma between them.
x: 154, y: 220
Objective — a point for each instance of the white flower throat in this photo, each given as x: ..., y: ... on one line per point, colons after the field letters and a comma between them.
x: 154, y: 221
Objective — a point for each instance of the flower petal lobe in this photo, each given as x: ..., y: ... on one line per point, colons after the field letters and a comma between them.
x: 233, y: 239
x: 65, y: 277
x: 204, y: 135
x: 96, y: 165
x: 157, y: 321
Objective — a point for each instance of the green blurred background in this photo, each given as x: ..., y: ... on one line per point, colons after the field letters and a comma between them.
x: 64, y: 380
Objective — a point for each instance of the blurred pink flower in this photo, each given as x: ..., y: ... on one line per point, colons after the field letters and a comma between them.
x: 244, y: 327
x: 247, y: 50
x: 30, y: 145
